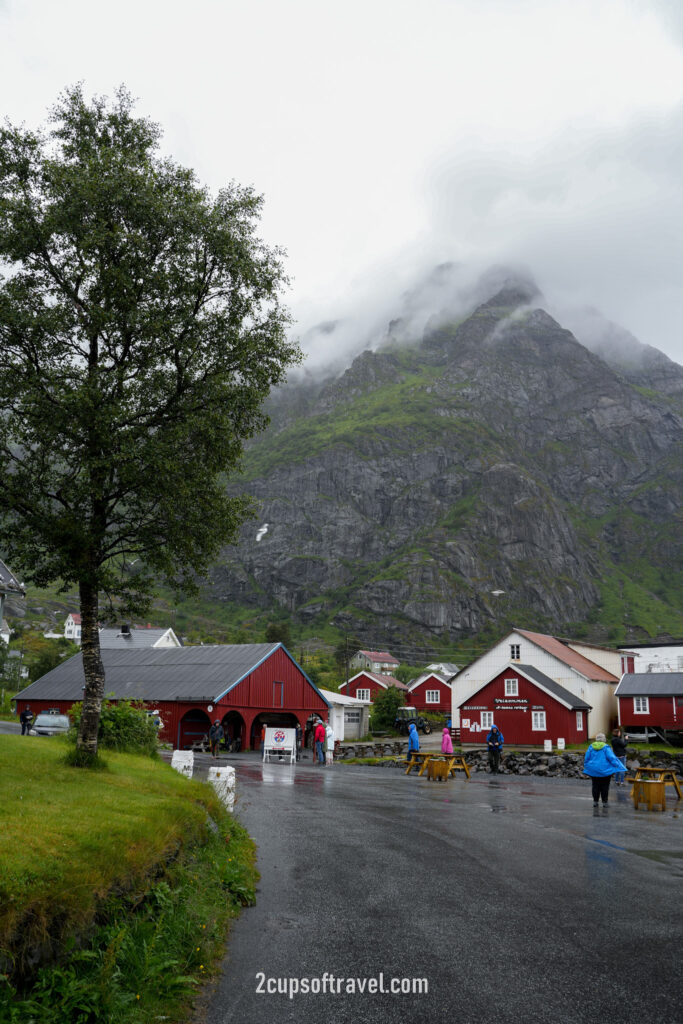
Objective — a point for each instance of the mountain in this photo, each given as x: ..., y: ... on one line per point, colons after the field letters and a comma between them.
x: 493, y: 452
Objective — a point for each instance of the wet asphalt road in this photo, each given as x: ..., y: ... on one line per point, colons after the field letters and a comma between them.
x: 510, y: 896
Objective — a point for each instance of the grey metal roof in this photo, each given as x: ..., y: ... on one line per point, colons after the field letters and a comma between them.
x: 566, y: 696
x: 157, y: 673
x: 641, y: 684
x: 9, y: 584
x: 114, y: 638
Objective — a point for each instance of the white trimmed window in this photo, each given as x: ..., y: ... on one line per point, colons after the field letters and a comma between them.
x: 486, y: 719
x: 511, y: 688
x: 538, y: 721
x: 432, y: 696
x: 514, y: 652
x: 641, y: 705
x: 579, y: 720
x: 363, y: 694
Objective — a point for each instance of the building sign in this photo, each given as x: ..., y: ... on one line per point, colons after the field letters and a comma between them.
x: 475, y: 707
x: 511, y: 703
x: 465, y: 723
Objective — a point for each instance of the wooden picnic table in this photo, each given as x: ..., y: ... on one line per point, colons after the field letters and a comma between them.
x: 420, y: 759
x: 664, y: 775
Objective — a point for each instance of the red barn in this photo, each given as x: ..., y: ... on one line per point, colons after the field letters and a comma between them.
x: 366, y: 685
x: 430, y: 692
x: 527, y: 706
x: 651, y: 700
x: 245, y: 686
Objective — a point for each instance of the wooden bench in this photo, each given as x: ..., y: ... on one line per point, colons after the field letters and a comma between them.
x: 666, y: 776
x: 424, y: 759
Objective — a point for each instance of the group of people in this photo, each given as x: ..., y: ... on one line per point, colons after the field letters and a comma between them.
x: 323, y: 743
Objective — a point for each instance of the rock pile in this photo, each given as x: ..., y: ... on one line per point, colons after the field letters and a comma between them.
x: 568, y: 764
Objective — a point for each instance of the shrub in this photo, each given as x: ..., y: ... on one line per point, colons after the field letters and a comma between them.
x: 384, y: 707
x: 124, y: 726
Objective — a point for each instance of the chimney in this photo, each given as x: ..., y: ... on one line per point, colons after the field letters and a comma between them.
x: 125, y: 629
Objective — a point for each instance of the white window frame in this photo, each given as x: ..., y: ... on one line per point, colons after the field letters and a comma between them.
x: 486, y: 719
x: 432, y: 697
x: 641, y: 705
x: 579, y: 720
x: 511, y: 687
x: 515, y: 652
x: 362, y: 695
x: 538, y: 721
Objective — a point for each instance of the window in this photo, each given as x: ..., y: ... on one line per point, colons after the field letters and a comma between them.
x: 432, y: 696
x: 579, y: 720
x: 486, y: 719
x: 538, y: 721
x: 514, y: 652
x: 511, y: 688
x: 641, y: 705
x: 351, y: 716
x: 363, y: 694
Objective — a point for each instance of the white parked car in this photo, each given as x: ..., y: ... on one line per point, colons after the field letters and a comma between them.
x: 50, y: 725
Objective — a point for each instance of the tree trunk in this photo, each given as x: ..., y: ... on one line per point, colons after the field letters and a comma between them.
x: 93, y: 671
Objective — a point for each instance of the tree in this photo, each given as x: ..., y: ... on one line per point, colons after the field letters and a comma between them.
x: 141, y: 329
x: 385, y: 706
x: 279, y: 633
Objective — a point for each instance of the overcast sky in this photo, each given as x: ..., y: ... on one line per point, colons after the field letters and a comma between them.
x: 389, y: 135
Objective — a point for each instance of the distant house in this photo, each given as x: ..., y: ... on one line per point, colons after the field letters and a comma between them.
x: 244, y: 686
x: 375, y: 661
x: 5, y: 633
x: 430, y: 692
x: 349, y: 717
x: 127, y: 638
x: 444, y: 668
x: 655, y: 657
x: 588, y: 671
x: 366, y: 685
x: 72, y: 627
x: 651, y: 701
x: 9, y: 586
x: 527, y: 706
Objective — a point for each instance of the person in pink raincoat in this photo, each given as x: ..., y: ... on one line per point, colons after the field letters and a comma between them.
x: 446, y: 743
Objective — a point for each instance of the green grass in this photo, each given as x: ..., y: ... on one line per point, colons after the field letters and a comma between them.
x: 134, y: 871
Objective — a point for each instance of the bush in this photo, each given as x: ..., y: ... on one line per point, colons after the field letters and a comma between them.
x: 384, y: 708
x: 124, y: 726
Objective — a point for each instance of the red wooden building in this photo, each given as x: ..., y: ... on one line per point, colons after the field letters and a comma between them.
x: 651, y: 700
x: 366, y: 685
x: 244, y: 686
x: 430, y: 692
x: 527, y: 706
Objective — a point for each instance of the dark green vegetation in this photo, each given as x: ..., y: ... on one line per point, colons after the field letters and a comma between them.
x: 140, y: 332
x: 116, y: 889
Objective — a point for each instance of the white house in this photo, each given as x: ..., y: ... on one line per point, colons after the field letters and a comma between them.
x: 129, y: 638
x: 72, y: 627
x: 375, y: 661
x: 587, y: 671
x: 349, y: 717
x: 657, y: 657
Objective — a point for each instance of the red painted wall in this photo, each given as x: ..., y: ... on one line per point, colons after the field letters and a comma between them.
x: 513, y: 716
x: 418, y: 696
x: 665, y: 713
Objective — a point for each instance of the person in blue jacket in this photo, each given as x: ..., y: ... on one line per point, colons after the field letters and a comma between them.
x: 600, y: 764
x: 413, y: 739
x: 494, y: 741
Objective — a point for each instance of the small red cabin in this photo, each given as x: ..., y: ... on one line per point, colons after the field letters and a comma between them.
x: 430, y: 692
x: 366, y: 685
x: 244, y: 686
x: 527, y: 706
x: 651, y: 700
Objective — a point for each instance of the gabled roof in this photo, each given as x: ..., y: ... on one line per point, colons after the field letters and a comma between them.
x: 203, y: 673
x: 381, y: 656
x: 650, y: 684
x: 9, y: 584
x: 76, y: 616
x: 540, y: 679
x: 114, y: 638
x: 560, y: 650
x: 377, y: 677
x: 447, y: 668
x: 428, y: 675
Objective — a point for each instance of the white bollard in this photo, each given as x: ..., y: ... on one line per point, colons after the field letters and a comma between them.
x: 223, y: 781
x: 183, y: 762
x: 560, y: 744
x: 548, y: 746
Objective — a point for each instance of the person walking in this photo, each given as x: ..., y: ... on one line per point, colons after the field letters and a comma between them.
x: 26, y: 719
x: 446, y: 741
x: 299, y: 740
x: 413, y: 740
x: 216, y: 735
x: 319, y: 737
x: 329, y: 745
x: 619, y: 745
x: 600, y: 764
x: 494, y: 741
